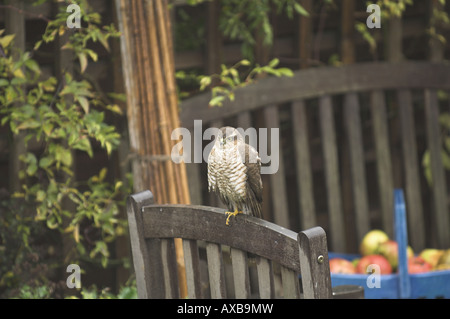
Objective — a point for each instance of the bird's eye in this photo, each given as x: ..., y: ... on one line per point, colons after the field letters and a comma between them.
x: 230, y: 138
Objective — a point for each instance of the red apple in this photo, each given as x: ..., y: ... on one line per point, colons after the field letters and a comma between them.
x: 341, y: 266
x: 382, y: 262
x: 389, y: 249
x: 371, y: 241
x: 418, y: 265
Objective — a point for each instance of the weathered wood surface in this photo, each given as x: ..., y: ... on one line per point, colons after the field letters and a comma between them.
x: 315, y: 270
x: 304, y: 173
x: 277, y: 180
x: 439, y: 185
x: 352, y: 121
x: 332, y: 176
x: 412, y: 180
x: 245, y: 232
x: 383, y: 154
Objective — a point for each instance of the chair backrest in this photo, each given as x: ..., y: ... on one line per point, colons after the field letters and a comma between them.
x: 255, y: 246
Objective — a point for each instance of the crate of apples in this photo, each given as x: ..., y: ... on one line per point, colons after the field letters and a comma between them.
x: 377, y: 248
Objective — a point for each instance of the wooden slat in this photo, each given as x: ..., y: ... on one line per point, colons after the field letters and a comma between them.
x: 316, y: 82
x: 192, y: 262
x: 314, y: 264
x: 169, y: 267
x: 384, y: 165
x: 337, y: 229
x: 277, y: 180
x: 216, y: 271
x: 412, y: 182
x: 304, y: 173
x: 146, y: 262
x: 439, y: 186
x: 291, y: 287
x: 357, y: 164
x: 241, y: 276
x: 265, y: 278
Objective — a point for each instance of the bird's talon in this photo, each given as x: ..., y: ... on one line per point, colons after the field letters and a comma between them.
x: 231, y: 214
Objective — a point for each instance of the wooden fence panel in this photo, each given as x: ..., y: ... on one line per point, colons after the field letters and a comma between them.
x: 303, y: 164
x: 439, y: 187
x: 383, y: 159
x: 277, y: 180
x: 331, y: 169
x: 412, y: 182
x: 358, y: 175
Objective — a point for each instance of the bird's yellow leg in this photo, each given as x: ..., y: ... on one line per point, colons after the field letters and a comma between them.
x: 232, y: 214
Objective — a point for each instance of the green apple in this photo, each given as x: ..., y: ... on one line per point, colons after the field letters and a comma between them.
x: 445, y: 258
x: 371, y: 241
x: 431, y: 255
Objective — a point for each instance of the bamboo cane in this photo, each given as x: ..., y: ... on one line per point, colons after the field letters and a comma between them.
x: 153, y: 111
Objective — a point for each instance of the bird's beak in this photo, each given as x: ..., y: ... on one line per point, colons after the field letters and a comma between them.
x: 223, y: 141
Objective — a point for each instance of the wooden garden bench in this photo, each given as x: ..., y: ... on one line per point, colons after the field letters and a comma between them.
x: 251, y: 241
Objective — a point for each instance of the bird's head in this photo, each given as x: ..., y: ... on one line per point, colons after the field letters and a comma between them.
x: 228, y: 136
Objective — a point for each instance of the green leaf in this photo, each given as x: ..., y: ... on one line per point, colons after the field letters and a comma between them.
x: 6, y: 40
x: 92, y: 54
x: 52, y: 222
x: 45, y: 162
x: 84, y: 144
x: 40, y: 195
x: 66, y: 157
x: 47, y: 128
x: 286, y: 72
x: 31, y: 169
x: 274, y: 63
x: 244, y: 62
x: 83, y: 61
x: 204, y: 82
x: 217, y: 100
x: 114, y: 108
x: 84, y: 103
x: 4, y: 82
x: 300, y: 9
x: 102, y: 174
x: 33, y: 66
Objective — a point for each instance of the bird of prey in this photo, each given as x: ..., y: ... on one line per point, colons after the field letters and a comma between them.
x: 234, y: 173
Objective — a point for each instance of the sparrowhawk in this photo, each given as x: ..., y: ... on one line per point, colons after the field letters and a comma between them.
x: 234, y: 173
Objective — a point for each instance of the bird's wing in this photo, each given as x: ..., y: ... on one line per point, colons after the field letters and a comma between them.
x: 253, y: 164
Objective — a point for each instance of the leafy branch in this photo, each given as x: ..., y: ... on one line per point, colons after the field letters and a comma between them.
x: 63, y: 116
x: 230, y: 79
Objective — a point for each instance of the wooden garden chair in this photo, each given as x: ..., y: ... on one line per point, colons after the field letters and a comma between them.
x: 250, y: 240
